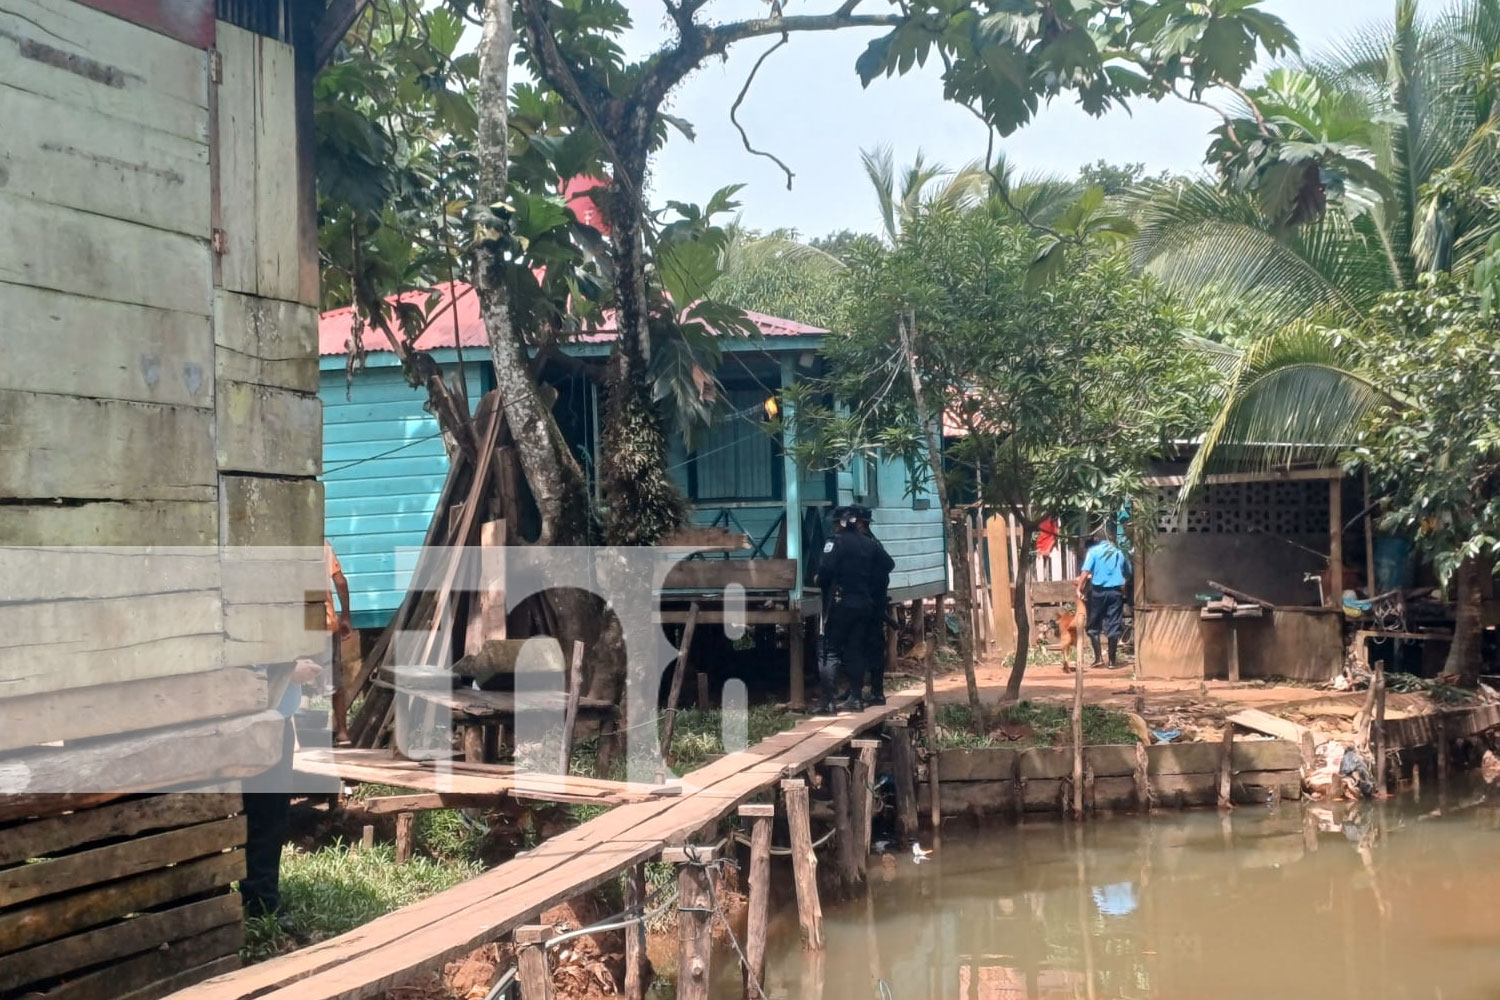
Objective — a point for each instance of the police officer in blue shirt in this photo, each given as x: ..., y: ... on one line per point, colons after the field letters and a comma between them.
x: 1101, y: 585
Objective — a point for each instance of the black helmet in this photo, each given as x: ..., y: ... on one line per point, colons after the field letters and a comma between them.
x: 860, y: 512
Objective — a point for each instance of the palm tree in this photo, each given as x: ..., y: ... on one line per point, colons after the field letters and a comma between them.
x: 1402, y: 125
x: 901, y: 195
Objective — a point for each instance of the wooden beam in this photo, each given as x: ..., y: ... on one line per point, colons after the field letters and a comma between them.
x: 904, y: 766
x: 487, y: 603
x: 570, y: 715
x: 332, y: 26
x: 392, y: 805
x: 405, y: 831
x: 44, y: 837
x: 717, y: 574
x: 635, y: 934
x: 1289, y: 475
x: 845, y: 836
x: 674, y: 698
x: 1333, y: 596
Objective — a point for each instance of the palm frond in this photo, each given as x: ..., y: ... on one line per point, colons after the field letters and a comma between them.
x: 1298, y: 397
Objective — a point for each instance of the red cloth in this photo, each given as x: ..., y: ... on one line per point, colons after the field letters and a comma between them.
x: 1046, y: 537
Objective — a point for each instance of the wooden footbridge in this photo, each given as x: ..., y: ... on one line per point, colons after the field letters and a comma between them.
x: 423, y: 937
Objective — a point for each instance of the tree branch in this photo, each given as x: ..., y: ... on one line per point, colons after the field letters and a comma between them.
x: 724, y: 35
x: 735, y: 107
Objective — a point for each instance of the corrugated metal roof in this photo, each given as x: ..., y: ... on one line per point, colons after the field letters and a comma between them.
x: 335, y: 326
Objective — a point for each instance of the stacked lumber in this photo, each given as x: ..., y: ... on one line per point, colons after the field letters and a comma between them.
x: 126, y: 900
x: 455, y: 603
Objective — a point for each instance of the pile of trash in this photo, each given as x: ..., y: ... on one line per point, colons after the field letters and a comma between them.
x: 1342, y: 772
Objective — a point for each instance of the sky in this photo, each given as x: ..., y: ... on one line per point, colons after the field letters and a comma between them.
x: 807, y: 107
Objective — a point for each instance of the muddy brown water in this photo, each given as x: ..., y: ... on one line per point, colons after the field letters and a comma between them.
x: 1357, y: 902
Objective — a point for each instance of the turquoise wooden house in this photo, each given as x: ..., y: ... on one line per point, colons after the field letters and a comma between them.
x: 384, y: 462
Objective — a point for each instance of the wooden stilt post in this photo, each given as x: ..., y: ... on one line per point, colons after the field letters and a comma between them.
x: 1077, y: 720
x: 1142, y: 780
x: 703, y: 693
x: 798, y: 655
x: 367, y: 838
x: 1442, y: 750
x: 903, y: 762
x: 1377, y: 729
x: 675, y: 696
x: 758, y: 915
x: 1226, y: 753
x: 919, y: 622
x: 405, y: 822
x: 570, y: 710
x: 474, y: 743
x: 843, y: 824
x: 804, y: 863
x: 695, y: 919
x: 864, y: 797
x: 534, y: 969
x: 940, y: 621
x: 635, y: 934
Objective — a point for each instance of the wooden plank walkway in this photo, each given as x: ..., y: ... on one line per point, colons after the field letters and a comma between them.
x: 380, y: 768
x: 423, y: 937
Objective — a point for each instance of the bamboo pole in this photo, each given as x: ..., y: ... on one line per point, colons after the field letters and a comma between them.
x: 758, y: 912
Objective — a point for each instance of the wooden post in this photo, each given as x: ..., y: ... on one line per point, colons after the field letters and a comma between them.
x: 570, y: 713
x: 487, y: 607
x: 1226, y: 753
x: 473, y: 733
x: 863, y: 808
x: 1335, y: 595
x: 919, y: 622
x: 367, y: 838
x: 929, y: 711
x: 677, y: 674
x: 404, y: 827
x: 1142, y: 780
x: 1077, y: 720
x: 995, y: 530
x: 532, y: 965
x: 843, y: 824
x: 703, y: 697
x: 935, y: 810
x: 903, y: 763
x: 1377, y: 734
x: 695, y: 919
x: 1442, y: 750
x: 635, y: 934
x: 758, y: 911
x: 804, y: 863
x: 1369, y: 538
x: 940, y: 621
x: 1234, y: 652
x: 797, y: 698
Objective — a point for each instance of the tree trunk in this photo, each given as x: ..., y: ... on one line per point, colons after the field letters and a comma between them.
x: 556, y: 481
x: 641, y: 502
x: 958, y: 539
x: 1022, y: 612
x: 1466, y: 654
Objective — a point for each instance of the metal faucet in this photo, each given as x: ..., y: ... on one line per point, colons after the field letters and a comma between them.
x: 1318, y: 579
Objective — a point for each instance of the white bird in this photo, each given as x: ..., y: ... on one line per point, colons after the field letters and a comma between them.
x: 881, y: 846
x: 917, y: 854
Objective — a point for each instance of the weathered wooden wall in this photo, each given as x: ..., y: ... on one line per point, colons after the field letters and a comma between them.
x: 1302, y: 644
x: 156, y: 392
x: 1000, y: 780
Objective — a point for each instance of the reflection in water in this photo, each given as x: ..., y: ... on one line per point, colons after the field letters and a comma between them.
x: 1358, y: 902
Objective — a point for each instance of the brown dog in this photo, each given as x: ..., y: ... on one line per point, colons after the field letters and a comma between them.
x: 1069, y: 625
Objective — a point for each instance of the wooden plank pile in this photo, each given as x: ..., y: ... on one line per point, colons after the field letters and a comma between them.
x: 127, y: 900
x: 456, y: 607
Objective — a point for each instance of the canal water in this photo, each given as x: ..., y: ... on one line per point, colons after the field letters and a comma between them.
x: 1359, y: 901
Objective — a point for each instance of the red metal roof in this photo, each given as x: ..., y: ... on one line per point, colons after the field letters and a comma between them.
x: 334, y: 326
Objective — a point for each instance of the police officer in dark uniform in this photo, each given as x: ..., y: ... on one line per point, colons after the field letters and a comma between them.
x: 850, y: 574
x: 882, y: 618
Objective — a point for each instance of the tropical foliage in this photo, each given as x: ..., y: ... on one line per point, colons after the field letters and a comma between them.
x: 1055, y: 397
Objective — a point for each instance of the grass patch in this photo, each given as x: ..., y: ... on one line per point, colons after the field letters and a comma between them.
x: 698, y: 733
x: 1031, y: 724
x: 340, y: 887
